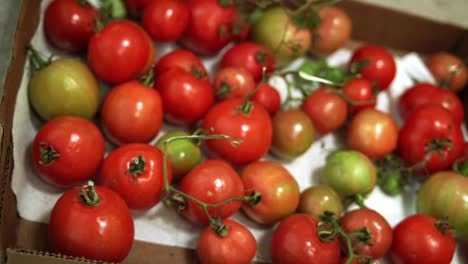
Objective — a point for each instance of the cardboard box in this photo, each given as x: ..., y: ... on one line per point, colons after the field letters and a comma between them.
x: 23, y: 241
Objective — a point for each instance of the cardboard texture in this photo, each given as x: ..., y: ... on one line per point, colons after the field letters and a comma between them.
x: 23, y: 241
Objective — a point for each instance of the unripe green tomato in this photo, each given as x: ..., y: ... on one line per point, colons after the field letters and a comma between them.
x: 183, y: 154
x: 350, y: 172
x: 317, y: 199
x: 65, y: 87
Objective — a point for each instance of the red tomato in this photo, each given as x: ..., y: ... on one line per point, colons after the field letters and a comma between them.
x: 211, y: 181
x: 251, y: 126
x: 69, y: 24
x: 327, y: 110
x: 132, y: 112
x: 60, y: 147
x: 268, y: 97
x: 165, y: 21
x: 183, y: 59
x: 251, y: 56
x: 417, y: 239
x: 103, y: 230
x: 120, y: 52
x: 334, y: 30
x: 233, y: 82
x: 430, y: 130
x: 135, y: 7
x: 185, y: 98
x: 380, y: 229
x: 360, y: 93
x: 372, y: 132
x: 295, y: 241
x: 448, y: 70
x: 380, y: 66
x: 239, y: 246
x: 135, y: 172
x: 424, y: 93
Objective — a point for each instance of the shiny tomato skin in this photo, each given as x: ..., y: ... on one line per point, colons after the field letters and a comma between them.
x: 120, y: 52
x: 80, y: 145
x: 317, y: 199
x: 360, y: 93
x: 183, y: 59
x: 139, y: 187
x: 268, y: 97
x: 233, y: 82
x: 132, y: 112
x: 295, y: 240
x: 69, y: 25
x: 211, y: 181
x: 253, y: 129
x: 165, y: 21
x: 441, y: 64
x: 416, y: 239
x: 333, y: 32
x: 102, y: 232
x: 239, y: 246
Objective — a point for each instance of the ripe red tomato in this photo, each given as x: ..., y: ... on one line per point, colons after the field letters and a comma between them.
x: 430, y: 130
x: 69, y: 24
x: 233, y: 82
x: 135, y: 172
x: 120, y: 52
x: 211, y: 181
x: 420, y: 239
x: 59, y: 149
x: 183, y: 59
x: 268, y: 97
x: 380, y: 66
x: 251, y: 56
x: 101, y: 228
x: 448, y: 70
x: 334, y: 30
x: 132, y: 112
x: 239, y: 246
x: 241, y: 120
x: 186, y: 99
x: 165, y: 21
x: 295, y: 240
x: 360, y: 93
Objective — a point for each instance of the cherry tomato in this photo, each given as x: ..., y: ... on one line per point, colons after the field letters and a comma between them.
x: 212, y: 181
x: 239, y: 246
x: 242, y: 120
x: 233, y: 82
x: 378, y: 64
x: 183, y: 59
x: 99, y: 228
x: 67, y: 151
x: 449, y: 70
x: 268, y: 97
x: 135, y: 7
x: 120, y: 52
x: 334, y: 30
x: 360, y: 94
x: 69, y: 24
x: 131, y: 113
x: 165, y: 21
x: 295, y: 240
x: 421, y: 239
x: 317, y: 199
x: 251, y: 56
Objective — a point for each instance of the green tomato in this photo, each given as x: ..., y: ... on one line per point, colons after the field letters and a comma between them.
x: 65, y: 87
x: 317, y: 199
x: 349, y: 173
x: 183, y: 154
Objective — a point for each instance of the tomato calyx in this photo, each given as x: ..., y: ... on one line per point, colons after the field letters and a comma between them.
x: 48, y: 154
x: 137, y: 166
x: 37, y: 60
x: 88, y: 194
x: 444, y: 227
x: 437, y: 145
x: 224, y: 89
x: 148, y: 79
x: 113, y: 9
x: 83, y: 3
x: 357, y: 66
x: 461, y: 166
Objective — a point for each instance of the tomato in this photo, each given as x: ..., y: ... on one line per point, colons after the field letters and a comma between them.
x: 211, y: 181
x: 267, y: 96
x: 360, y: 94
x: 349, y: 172
x: 372, y: 132
x: 293, y: 134
x: 424, y: 93
x: 431, y: 138
x: 183, y: 154
x: 334, y: 30
x: 379, y: 65
x: 380, y: 229
x: 120, y: 52
x: 135, y: 7
x: 289, y: 41
x: 448, y: 69
x: 67, y: 151
x: 165, y: 21
x: 140, y: 113
x: 420, y: 239
x: 317, y: 199
x: 239, y: 246
x: 65, y: 87
x: 241, y: 120
x: 251, y: 56
x: 69, y: 24
x: 444, y: 195
x: 135, y: 172
x: 182, y: 59
x: 185, y: 98
x: 101, y: 228
x: 327, y: 110
x: 295, y: 240
x: 233, y: 82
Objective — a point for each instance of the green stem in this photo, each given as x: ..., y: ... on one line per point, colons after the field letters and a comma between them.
x: 37, y: 59
x: 359, y: 200
x: 88, y: 194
